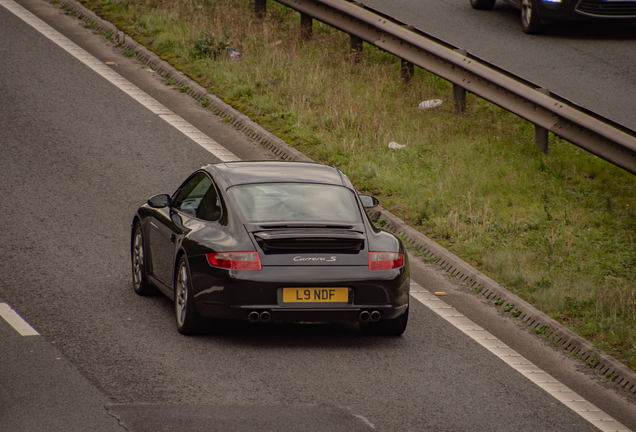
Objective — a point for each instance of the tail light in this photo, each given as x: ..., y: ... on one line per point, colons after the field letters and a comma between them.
x: 385, y: 260
x: 235, y: 260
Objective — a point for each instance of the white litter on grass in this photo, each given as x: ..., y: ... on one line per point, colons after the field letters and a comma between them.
x: 396, y: 146
x: 429, y: 104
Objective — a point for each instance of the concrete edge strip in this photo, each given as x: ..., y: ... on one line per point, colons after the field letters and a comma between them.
x: 127, y: 87
x: 614, y: 370
x: 16, y: 321
x: 513, y: 359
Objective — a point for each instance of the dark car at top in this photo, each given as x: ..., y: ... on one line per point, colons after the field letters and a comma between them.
x: 270, y: 242
x: 535, y: 13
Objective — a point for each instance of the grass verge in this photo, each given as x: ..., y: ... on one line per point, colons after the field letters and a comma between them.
x: 557, y: 230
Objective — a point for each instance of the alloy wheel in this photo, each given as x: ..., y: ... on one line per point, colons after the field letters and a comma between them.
x: 138, y: 259
x: 181, y: 294
x: 526, y: 12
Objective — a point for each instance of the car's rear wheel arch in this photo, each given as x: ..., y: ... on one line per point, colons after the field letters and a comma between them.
x: 175, y: 268
x: 136, y: 220
x: 177, y: 257
x: 189, y: 321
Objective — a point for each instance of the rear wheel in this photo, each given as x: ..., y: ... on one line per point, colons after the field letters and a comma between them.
x: 482, y: 4
x: 189, y: 321
x: 389, y: 327
x: 530, y: 21
x: 137, y: 256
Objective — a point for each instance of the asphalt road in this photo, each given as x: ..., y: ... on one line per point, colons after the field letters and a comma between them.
x: 589, y: 64
x: 78, y: 156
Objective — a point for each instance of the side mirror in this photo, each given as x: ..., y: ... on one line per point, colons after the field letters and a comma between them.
x: 369, y: 201
x: 159, y: 201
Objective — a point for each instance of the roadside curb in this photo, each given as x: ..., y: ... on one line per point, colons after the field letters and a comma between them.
x: 612, y: 369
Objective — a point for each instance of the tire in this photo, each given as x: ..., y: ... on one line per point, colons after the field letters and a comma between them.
x: 138, y: 259
x: 530, y: 20
x: 389, y: 327
x: 482, y: 4
x: 189, y: 322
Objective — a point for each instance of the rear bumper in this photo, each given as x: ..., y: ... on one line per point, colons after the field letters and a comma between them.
x: 234, y: 294
x: 288, y: 314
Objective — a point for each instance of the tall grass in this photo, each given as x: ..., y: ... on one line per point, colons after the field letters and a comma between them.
x: 558, y: 230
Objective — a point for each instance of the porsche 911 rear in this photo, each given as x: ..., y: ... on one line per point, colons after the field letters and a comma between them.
x: 270, y: 241
x: 302, y: 286
x: 314, y: 259
x: 300, y: 272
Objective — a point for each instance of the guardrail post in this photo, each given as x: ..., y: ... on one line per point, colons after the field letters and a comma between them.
x: 355, y: 49
x: 459, y: 99
x: 407, y: 71
x: 260, y: 8
x: 459, y: 93
x: 306, y: 26
x: 541, y: 135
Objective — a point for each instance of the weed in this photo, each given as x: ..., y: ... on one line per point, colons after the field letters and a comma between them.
x: 593, y: 362
x: 516, y: 313
x: 69, y: 10
x: 541, y: 330
x: 129, y: 53
x: 508, y: 307
x: 209, y: 47
x: 499, y: 302
x: 184, y: 89
x: 381, y: 222
x: 555, y: 343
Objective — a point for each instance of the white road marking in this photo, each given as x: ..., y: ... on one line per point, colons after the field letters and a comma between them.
x: 516, y: 361
x: 16, y: 321
x: 562, y: 393
x: 120, y: 82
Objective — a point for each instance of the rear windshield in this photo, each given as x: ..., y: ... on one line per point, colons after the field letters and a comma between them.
x: 283, y: 202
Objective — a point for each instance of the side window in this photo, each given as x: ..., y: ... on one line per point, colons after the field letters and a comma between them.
x: 191, y: 194
x: 210, y: 207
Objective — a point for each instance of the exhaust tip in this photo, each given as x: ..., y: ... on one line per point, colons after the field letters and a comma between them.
x: 375, y: 316
x: 253, y: 316
x: 364, y: 316
x: 265, y: 316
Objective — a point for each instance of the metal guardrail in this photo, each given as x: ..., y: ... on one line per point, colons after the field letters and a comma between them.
x: 547, y: 111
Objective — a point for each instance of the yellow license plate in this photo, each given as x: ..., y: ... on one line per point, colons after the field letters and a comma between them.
x: 315, y: 295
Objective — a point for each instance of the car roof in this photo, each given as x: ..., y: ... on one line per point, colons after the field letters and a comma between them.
x: 236, y: 173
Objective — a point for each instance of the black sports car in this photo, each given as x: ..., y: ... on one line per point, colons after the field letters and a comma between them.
x: 270, y: 241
